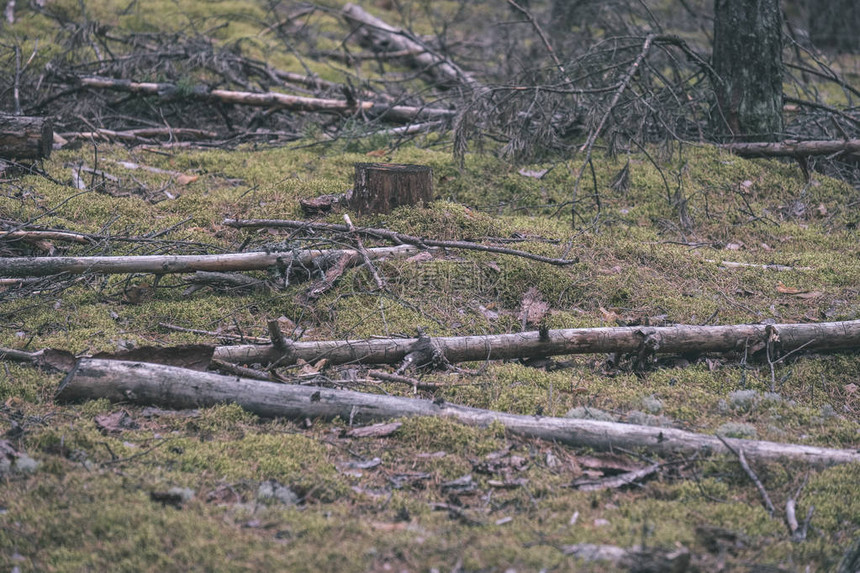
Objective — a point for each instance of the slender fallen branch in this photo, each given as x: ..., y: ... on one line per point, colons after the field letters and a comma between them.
x: 615, y: 482
x: 659, y: 339
x: 44, y: 236
x: 397, y: 113
x: 792, y: 148
x: 393, y: 236
x: 214, y: 334
x: 163, y: 264
x: 739, y: 452
x: 144, y: 134
x: 380, y: 284
x: 179, y: 388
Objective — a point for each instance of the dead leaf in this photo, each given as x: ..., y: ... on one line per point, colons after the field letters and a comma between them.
x: 191, y: 356
x: 61, y: 360
x: 533, y: 308
x: 851, y: 388
x: 608, y: 463
x: 534, y: 174
x: 374, y: 431
x: 183, y: 179
x: 115, y: 423
x: 609, y: 316
x: 781, y: 288
x: 224, y: 494
x: 810, y: 295
x: 734, y: 246
x: 137, y: 293
x: 378, y: 153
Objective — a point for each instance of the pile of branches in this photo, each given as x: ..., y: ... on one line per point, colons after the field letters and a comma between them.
x: 541, y: 80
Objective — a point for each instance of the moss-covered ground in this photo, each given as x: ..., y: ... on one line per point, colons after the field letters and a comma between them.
x: 193, y: 490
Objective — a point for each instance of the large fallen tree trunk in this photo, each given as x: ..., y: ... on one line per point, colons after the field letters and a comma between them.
x: 792, y: 148
x: 179, y: 388
x: 163, y: 264
x: 397, y: 113
x: 643, y: 339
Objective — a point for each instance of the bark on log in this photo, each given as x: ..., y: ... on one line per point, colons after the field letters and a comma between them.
x: 382, y: 187
x: 163, y: 264
x: 172, y: 387
x: 663, y: 339
x: 385, y: 38
x: 793, y: 148
x: 25, y: 137
x: 397, y: 113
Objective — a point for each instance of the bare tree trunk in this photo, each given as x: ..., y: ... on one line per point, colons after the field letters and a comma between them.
x: 748, y: 60
x: 180, y: 388
x: 665, y: 339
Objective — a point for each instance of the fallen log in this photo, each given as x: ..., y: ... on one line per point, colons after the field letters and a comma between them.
x: 650, y: 339
x: 24, y: 137
x: 396, y: 113
x: 179, y: 388
x: 792, y: 148
x: 386, y: 38
x: 164, y: 264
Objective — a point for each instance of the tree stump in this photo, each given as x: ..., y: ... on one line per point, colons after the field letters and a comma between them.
x: 24, y: 137
x: 381, y: 187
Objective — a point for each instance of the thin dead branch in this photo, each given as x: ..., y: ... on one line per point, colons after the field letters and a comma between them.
x: 392, y: 236
x: 275, y: 100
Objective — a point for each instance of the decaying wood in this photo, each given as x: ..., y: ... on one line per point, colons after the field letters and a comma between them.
x: 396, y: 113
x: 656, y: 339
x: 180, y: 388
x: 163, y: 264
x: 793, y: 148
x: 378, y: 33
x: 23, y: 137
x: 382, y: 187
x: 393, y: 236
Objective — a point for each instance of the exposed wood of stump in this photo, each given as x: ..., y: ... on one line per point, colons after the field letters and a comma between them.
x: 381, y: 187
x: 24, y: 137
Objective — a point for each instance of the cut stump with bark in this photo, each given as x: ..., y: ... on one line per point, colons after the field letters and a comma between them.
x: 23, y: 137
x: 382, y: 187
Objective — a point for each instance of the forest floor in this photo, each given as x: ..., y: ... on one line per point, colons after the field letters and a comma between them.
x: 103, y: 486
